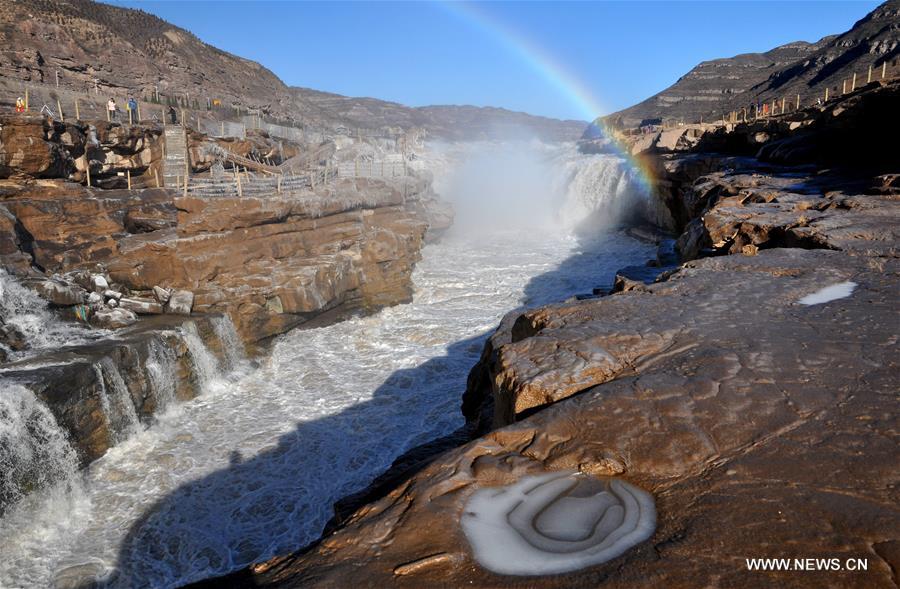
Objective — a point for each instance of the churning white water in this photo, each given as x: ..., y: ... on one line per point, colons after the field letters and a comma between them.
x: 31, y: 316
x: 252, y: 467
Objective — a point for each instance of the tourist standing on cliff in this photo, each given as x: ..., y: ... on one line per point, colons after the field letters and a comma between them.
x: 113, y: 111
x: 20, y: 104
x: 132, y: 106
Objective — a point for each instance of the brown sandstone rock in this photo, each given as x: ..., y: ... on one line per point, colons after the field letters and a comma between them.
x: 140, y: 306
x: 722, y: 429
x: 180, y: 302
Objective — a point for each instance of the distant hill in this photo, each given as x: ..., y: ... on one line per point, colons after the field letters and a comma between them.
x: 123, y: 51
x: 722, y: 85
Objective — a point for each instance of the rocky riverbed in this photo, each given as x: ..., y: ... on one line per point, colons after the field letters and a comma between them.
x: 752, y: 391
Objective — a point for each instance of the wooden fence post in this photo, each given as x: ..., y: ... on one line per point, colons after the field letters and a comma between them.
x: 26, y: 99
x: 869, y: 75
x: 130, y: 116
x: 826, y: 94
x: 798, y: 102
x: 883, y: 68
x: 156, y: 175
x: 128, y: 174
x: 782, y: 104
x: 187, y: 161
x: 844, y: 88
x: 77, y: 112
x: 57, y: 78
x: 853, y: 85
x: 87, y: 168
x: 62, y: 117
x: 107, y: 113
x: 139, y: 112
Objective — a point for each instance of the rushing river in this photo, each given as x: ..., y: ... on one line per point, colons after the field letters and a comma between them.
x: 252, y: 467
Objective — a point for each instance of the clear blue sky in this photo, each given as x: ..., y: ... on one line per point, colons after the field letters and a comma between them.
x: 420, y: 53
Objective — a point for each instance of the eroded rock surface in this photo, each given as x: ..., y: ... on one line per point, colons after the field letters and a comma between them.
x: 782, y: 444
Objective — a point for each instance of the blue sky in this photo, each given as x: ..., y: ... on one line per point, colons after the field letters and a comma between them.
x: 559, y: 59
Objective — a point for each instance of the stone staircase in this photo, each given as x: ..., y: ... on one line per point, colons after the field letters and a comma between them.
x: 176, y: 153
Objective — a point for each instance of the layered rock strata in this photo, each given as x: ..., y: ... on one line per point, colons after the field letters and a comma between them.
x: 270, y: 263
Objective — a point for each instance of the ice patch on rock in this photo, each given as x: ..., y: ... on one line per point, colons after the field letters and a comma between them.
x: 556, y: 523
x: 829, y: 293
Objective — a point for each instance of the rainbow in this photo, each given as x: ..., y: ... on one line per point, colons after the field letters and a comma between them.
x: 550, y: 69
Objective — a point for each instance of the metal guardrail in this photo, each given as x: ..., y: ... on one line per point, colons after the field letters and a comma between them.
x: 384, y: 168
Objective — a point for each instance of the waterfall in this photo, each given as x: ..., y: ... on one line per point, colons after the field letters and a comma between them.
x: 116, y: 401
x: 231, y: 341
x: 600, y: 191
x: 34, y: 451
x: 206, y: 367
x: 161, y: 370
x: 24, y: 310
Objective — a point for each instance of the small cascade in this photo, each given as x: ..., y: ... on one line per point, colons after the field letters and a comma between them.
x: 34, y: 451
x: 117, y: 403
x: 231, y: 341
x: 206, y: 367
x: 162, y: 370
x: 26, y: 312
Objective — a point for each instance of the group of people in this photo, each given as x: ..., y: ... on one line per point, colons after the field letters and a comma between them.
x: 113, y: 109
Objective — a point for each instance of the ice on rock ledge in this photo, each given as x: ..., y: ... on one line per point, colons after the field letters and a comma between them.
x: 556, y: 523
x: 829, y: 293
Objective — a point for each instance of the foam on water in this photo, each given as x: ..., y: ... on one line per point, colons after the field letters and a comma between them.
x: 34, y: 451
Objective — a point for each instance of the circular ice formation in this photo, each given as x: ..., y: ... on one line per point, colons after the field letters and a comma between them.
x: 556, y: 522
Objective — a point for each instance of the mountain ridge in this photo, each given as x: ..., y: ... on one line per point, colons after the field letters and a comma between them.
x: 717, y: 86
x: 105, y: 49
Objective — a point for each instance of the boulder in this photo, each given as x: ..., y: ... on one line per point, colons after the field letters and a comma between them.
x: 25, y: 148
x: 112, y: 294
x: 180, y: 302
x: 113, y: 318
x: 99, y: 283
x: 59, y: 293
x: 162, y: 295
x: 141, y: 306
x: 94, y: 299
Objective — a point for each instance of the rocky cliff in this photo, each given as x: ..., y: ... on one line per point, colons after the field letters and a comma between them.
x: 752, y: 391
x: 171, y: 285
x: 722, y: 85
x: 270, y: 263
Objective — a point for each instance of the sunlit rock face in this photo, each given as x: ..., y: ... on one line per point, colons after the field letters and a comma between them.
x: 556, y: 523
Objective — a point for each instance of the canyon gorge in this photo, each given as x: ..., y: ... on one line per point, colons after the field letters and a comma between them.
x: 361, y: 344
